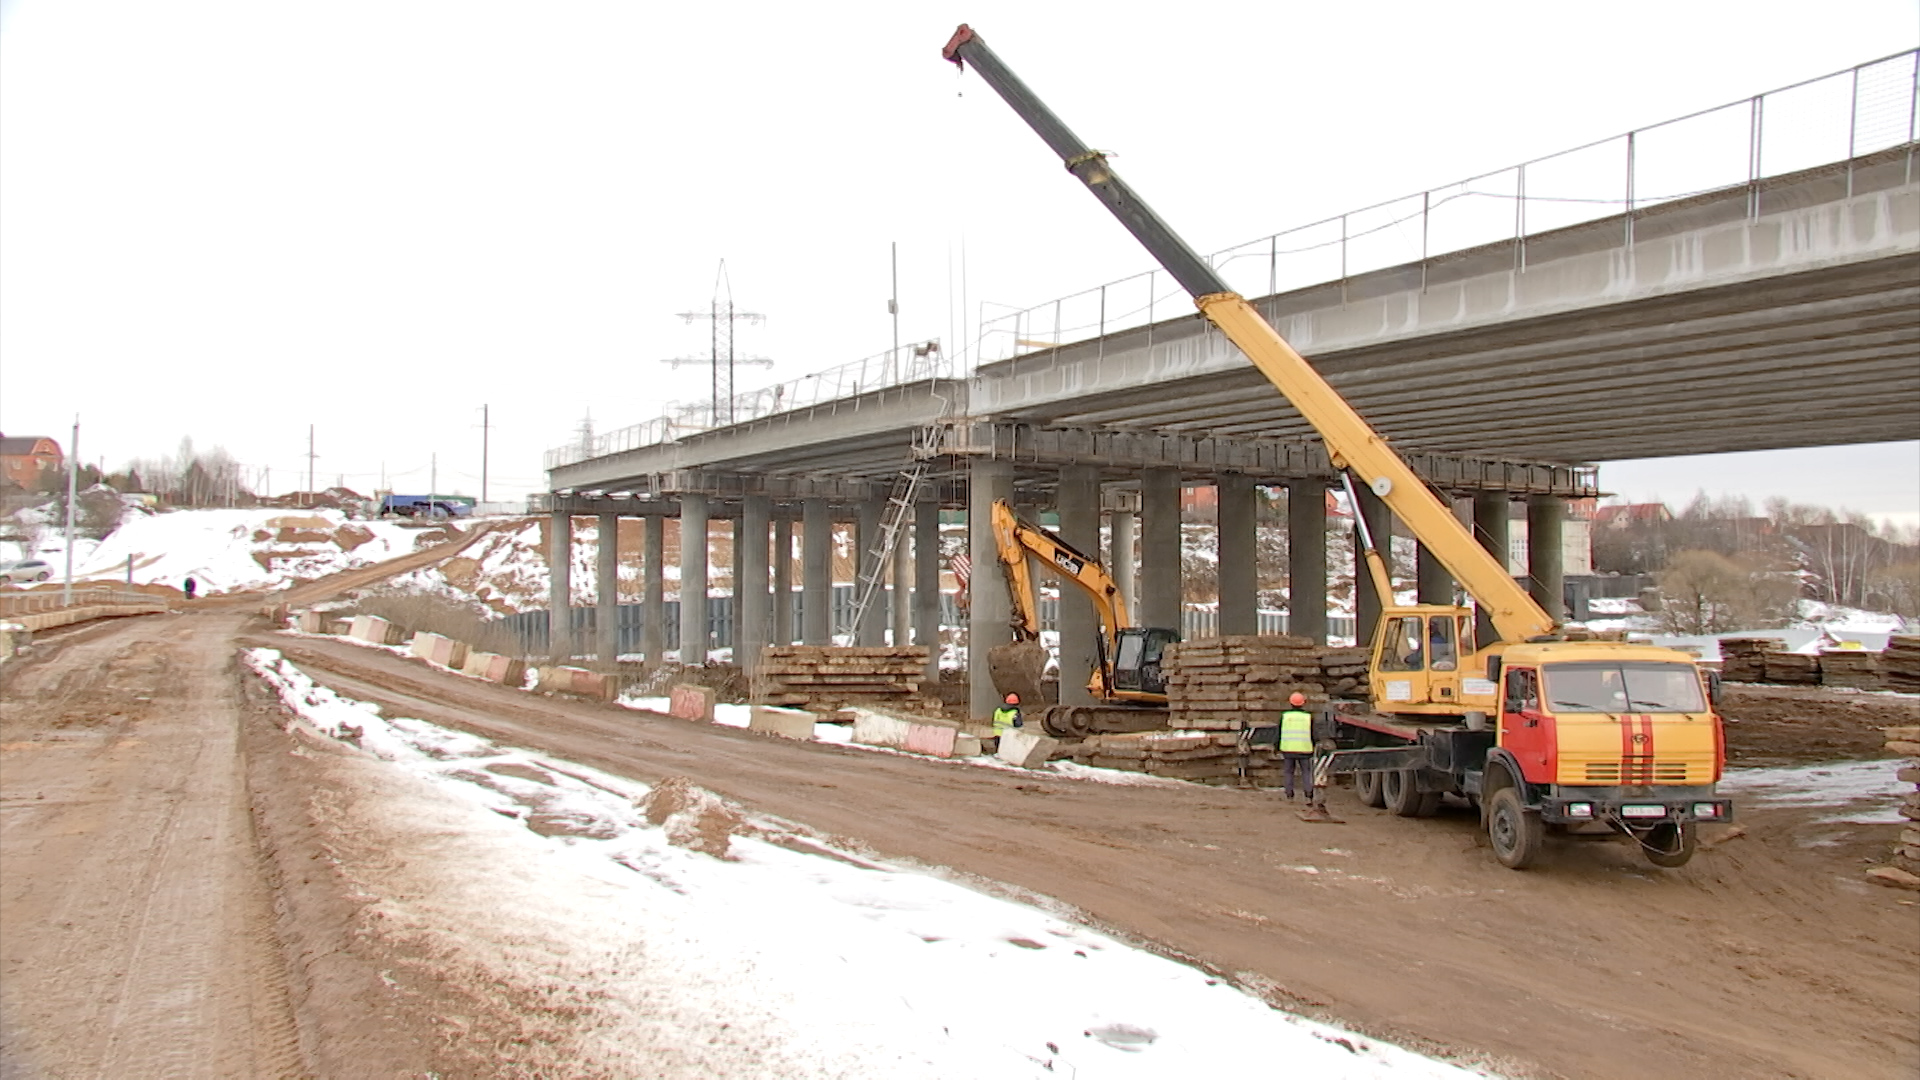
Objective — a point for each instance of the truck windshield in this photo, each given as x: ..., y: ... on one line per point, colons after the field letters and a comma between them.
x: 1624, y: 687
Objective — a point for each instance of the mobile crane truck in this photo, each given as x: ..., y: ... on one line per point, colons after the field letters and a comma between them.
x: 1539, y: 731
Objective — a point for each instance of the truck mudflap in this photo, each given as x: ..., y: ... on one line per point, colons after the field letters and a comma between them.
x: 1634, y: 809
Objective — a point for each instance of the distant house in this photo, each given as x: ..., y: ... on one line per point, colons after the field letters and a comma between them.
x: 1624, y: 515
x: 23, y: 456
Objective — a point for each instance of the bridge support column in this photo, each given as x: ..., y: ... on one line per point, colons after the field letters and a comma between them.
x: 1079, y: 506
x: 653, y: 598
x: 693, y: 579
x: 1120, y: 564
x: 1433, y: 584
x: 1159, y: 586
x: 783, y: 581
x: 989, y: 607
x: 1367, y: 600
x: 606, y: 592
x: 1546, y: 561
x: 816, y: 573
x: 926, y: 584
x: 1238, y: 566
x: 560, y: 578
x: 899, y: 598
x: 866, y: 536
x: 1307, y: 560
x: 1491, y: 510
x: 750, y: 587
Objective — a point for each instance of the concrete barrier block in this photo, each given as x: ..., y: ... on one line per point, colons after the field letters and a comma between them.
x: 455, y: 654
x: 340, y: 627
x: 555, y: 679
x: 593, y: 684
x: 690, y: 702
x: 788, y: 723
x: 422, y: 645
x: 965, y: 745
x: 476, y: 663
x: 310, y: 622
x: 1027, y: 751
x: 877, y: 729
x: 507, y: 671
x: 934, y: 739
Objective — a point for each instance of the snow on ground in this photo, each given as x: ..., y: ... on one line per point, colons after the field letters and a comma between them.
x: 1863, y: 792
x: 232, y: 550
x: 820, y: 960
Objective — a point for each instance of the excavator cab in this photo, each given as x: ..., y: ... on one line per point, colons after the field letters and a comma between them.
x: 1136, y: 659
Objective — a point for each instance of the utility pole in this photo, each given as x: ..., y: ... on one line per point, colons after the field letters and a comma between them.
x: 484, y: 431
x: 721, y: 315
x: 433, y: 476
x: 73, y: 491
x: 893, y: 309
x: 310, y: 456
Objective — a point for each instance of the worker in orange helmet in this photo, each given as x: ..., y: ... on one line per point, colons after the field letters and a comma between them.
x: 1296, y: 745
x: 1006, y: 718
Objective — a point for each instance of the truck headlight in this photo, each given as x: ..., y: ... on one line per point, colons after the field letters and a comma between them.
x: 1580, y: 809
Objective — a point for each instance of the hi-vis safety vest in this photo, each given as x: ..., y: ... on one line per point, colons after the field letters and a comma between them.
x: 1296, y: 732
x: 1004, y: 719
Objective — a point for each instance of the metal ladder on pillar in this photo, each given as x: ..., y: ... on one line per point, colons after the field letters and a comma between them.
x: 900, y: 502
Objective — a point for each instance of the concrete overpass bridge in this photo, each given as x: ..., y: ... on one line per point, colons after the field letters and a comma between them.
x: 1775, y: 312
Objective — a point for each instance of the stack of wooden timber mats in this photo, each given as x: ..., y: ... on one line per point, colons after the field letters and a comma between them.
x: 1900, y: 664
x: 1741, y: 658
x: 1791, y: 668
x: 1344, y: 672
x: 1239, y: 681
x: 1858, y: 669
x: 1903, y: 868
x: 829, y: 677
x: 1208, y: 757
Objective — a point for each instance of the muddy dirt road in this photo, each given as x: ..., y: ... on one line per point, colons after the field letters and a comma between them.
x: 1767, y: 956
x: 184, y: 888
x: 136, y: 926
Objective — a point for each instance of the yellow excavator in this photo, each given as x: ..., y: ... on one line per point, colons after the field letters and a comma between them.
x: 1540, y: 730
x: 1126, y: 683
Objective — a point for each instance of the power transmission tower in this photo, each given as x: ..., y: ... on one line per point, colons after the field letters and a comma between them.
x: 721, y: 316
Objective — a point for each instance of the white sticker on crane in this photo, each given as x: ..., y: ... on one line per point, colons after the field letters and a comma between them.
x: 1399, y: 690
x: 1477, y: 687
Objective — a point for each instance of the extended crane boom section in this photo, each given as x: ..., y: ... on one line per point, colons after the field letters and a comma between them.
x: 1351, y: 442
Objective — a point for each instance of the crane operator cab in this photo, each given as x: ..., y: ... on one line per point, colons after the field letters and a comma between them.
x: 1418, y: 656
x: 1136, y: 660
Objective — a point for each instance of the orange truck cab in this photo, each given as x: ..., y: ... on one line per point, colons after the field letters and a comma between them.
x: 1577, y: 734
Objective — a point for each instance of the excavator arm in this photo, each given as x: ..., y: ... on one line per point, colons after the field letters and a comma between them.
x: 1016, y: 538
x: 1351, y: 443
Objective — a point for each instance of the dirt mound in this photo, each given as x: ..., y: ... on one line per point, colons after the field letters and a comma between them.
x: 694, y: 817
x: 1796, y: 725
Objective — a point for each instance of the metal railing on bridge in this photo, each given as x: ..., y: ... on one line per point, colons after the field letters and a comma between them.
x: 1867, y: 109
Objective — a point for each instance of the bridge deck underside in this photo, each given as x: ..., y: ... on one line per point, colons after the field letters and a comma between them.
x: 1819, y: 358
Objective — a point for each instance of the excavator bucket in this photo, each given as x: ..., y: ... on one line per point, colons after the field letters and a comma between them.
x: 1016, y: 669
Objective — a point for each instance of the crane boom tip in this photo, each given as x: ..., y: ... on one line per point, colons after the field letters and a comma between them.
x: 960, y: 37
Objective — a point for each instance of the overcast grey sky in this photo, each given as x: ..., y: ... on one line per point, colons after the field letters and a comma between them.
x: 233, y: 220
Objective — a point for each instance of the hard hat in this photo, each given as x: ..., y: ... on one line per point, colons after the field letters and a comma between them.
x: 1298, y: 698
x: 1013, y: 699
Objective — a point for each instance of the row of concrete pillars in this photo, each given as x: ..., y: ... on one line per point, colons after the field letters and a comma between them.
x: 758, y: 620
x: 1153, y: 535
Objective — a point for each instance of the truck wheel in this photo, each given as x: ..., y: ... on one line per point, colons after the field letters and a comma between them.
x: 1517, y: 836
x: 1366, y: 784
x: 1402, y: 795
x: 1668, y: 845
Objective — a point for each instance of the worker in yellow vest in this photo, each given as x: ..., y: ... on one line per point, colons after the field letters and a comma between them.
x: 1296, y: 745
x: 1006, y: 718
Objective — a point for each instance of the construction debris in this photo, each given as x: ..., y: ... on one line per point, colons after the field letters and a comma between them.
x: 829, y: 677
x: 1228, y: 683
